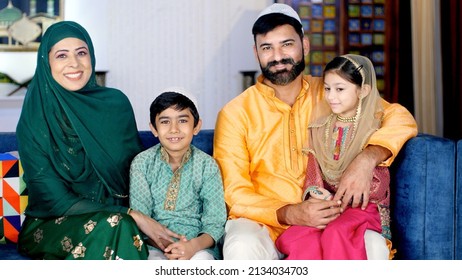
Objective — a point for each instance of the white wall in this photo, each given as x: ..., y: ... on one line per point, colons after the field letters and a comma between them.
x: 147, y: 46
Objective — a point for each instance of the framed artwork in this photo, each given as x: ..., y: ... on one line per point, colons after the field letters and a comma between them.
x: 379, y: 25
x: 353, y: 38
x: 330, y: 25
x: 330, y: 40
x: 329, y: 11
x: 354, y: 25
x: 316, y: 11
x: 366, y: 39
x: 316, y: 57
x: 353, y: 11
x: 304, y: 11
x: 306, y: 25
x: 316, y: 70
x: 366, y: 11
x: 379, y: 39
x: 378, y: 56
x: 379, y: 70
x: 379, y: 10
x: 316, y: 40
x: 328, y: 56
x: 23, y: 22
x: 366, y: 24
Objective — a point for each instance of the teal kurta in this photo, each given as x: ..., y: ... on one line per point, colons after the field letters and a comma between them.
x: 76, y: 148
x: 188, y: 201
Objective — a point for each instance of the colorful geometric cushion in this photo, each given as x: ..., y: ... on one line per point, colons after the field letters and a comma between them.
x: 13, y: 197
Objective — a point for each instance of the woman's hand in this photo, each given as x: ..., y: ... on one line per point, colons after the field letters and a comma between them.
x: 160, y: 235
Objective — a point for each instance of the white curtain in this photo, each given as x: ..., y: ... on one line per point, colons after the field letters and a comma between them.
x: 426, y: 56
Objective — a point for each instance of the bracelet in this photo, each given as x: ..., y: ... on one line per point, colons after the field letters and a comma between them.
x: 129, y: 210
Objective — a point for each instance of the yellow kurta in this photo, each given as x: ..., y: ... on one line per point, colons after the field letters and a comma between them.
x: 258, y: 145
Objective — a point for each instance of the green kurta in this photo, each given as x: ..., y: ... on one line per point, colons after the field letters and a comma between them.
x: 188, y: 201
x: 75, y: 148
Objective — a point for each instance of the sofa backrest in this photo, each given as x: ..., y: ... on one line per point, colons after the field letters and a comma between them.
x: 203, y: 141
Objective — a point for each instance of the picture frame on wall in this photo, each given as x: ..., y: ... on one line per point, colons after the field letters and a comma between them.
x: 23, y: 22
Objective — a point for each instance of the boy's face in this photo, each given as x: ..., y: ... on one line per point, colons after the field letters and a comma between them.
x: 175, y: 130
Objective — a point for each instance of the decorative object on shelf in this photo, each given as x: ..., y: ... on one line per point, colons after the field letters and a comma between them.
x: 22, y: 26
x: 9, y: 86
x: 101, y: 77
x: 25, y: 31
x: 248, y: 79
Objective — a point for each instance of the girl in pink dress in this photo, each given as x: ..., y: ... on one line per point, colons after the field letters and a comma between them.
x: 339, y: 130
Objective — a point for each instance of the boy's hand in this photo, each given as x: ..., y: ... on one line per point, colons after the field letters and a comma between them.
x: 183, y: 249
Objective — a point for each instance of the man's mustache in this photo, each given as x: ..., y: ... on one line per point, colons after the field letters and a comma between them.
x: 282, y: 61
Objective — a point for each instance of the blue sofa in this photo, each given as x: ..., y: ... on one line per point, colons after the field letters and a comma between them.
x: 426, y: 195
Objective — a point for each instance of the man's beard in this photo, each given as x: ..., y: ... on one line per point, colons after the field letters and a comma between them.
x: 283, y: 77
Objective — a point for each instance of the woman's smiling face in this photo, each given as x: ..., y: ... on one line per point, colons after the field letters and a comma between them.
x: 70, y: 63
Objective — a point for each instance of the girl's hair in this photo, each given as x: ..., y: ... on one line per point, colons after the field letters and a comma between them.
x: 345, y: 69
x: 172, y: 99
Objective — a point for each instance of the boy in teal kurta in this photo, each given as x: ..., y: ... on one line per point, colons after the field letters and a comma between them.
x: 177, y: 184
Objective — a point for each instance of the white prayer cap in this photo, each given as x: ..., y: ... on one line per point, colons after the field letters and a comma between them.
x: 278, y: 8
x: 185, y: 92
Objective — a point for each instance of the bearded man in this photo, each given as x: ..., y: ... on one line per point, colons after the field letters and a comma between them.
x: 259, y: 137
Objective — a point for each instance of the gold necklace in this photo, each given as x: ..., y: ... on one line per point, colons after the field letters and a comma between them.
x: 346, y: 120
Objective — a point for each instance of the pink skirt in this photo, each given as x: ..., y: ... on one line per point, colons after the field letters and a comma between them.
x: 342, y: 239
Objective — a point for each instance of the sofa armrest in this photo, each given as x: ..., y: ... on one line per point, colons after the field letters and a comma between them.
x: 8, y: 142
x: 423, y: 199
x: 458, y: 237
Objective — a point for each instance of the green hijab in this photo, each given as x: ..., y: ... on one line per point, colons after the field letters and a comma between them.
x: 75, y: 146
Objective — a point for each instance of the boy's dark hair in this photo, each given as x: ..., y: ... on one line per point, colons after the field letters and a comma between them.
x: 267, y: 23
x: 172, y: 99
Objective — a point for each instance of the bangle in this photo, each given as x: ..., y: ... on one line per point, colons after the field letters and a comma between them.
x: 129, y: 210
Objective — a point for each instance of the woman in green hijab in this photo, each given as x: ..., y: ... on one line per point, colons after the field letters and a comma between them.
x: 76, y: 141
